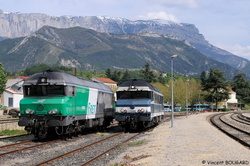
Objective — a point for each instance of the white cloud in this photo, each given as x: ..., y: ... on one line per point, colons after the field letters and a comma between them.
x: 180, y: 3
x: 160, y: 15
x: 242, y: 51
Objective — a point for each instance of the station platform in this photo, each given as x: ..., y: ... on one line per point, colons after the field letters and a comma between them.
x: 193, y: 141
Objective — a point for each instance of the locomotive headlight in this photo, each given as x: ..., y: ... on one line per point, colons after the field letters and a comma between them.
x: 141, y: 110
x: 28, y: 111
x: 54, y: 111
x: 123, y: 110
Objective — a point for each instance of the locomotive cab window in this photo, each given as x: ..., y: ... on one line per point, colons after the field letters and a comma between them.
x: 44, y: 90
x: 69, y: 91
x: 134, y: 95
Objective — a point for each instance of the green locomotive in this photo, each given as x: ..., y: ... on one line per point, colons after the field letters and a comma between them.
x: 57, y: 103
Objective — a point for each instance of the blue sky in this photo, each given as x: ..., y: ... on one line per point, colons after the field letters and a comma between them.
x: 224, y: 23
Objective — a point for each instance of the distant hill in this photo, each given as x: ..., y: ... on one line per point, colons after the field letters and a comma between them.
x: 87, y: 49
x: 2, y: 38
x: 21, y: 24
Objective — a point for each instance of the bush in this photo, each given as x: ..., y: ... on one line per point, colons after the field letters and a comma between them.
x: 223, y: 109
x: 14, y: 112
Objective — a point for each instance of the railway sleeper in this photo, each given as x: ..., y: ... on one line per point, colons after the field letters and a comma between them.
x: 135, y: 123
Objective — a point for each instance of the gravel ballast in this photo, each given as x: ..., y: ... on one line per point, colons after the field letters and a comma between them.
x: 192, y: 141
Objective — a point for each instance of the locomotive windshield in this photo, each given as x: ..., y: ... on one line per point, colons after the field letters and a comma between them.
x: 44, y: 90
x: 134, y: 95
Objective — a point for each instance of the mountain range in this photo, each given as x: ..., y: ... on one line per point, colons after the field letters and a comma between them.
x: 87, y: 49
x: 13, y: 25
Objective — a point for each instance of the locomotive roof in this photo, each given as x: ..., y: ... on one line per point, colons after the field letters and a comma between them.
x: 139, y: 83
x: 61, y: 78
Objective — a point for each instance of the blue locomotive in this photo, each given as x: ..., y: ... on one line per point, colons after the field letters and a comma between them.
x: 139, y: 105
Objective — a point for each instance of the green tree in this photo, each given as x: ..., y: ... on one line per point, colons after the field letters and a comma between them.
x: 186, y: 89
x: 108, y: 73
x: 179, y: 92
x: 43, y: 67
x: 242, y: 88
x: 203, y: 77
x: 195, y: 93
x: 35, y: 69
x: 3, y: 79
x: 125, y: 76
x: 116, y: 76
x: 148, y: 74
x: 216, y: 87
x: 163, y: 80
x: 164, y: 90
x: 135, y: 74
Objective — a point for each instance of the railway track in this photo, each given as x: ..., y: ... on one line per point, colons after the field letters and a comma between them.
x: 2, y: 121
x: 82, y: 150
x: 22, y: 146
x: 14, y: 137
x: 90, y: 147
x: 91, y: 151
x: 86, y: 149
x: 234, y: 126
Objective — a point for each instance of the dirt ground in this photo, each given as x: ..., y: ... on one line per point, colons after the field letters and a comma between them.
x: 192, y: 141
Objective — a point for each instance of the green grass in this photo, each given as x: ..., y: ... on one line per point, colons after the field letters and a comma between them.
x: 137, y: 143
x: 12, y: 132
x: 101, y: 134
x: 247, y: 107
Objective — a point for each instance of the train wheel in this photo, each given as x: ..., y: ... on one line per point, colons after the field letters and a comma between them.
x: 70, y: 130
x: 156, y: 120
x: 77, y: 129
x: 145, y: 124
x: 52, y: 133
x: 101, y: 128
x: 133, y: 125
x: 127, y: 127
x: 42, y: 133
x: 29, y: 129
x: 141, y: 126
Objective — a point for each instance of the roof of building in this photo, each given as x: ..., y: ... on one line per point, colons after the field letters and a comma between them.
x: 13, y: 92
x: 23, y: 77
x: 105, y: 80
x: 16, y: 80
x: 231, y: 90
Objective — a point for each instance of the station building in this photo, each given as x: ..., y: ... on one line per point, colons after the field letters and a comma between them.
x: 13, y: 92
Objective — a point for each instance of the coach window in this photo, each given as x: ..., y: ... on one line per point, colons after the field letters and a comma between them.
x: 161, y: 99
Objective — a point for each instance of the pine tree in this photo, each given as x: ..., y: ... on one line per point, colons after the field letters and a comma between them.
x: 147, y: 74
x: 116, y: 75
x: 242, y: 87
x: 216, y: 87
x: 203, y: 77
x: 108, y: 73
x: 125, y: 77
